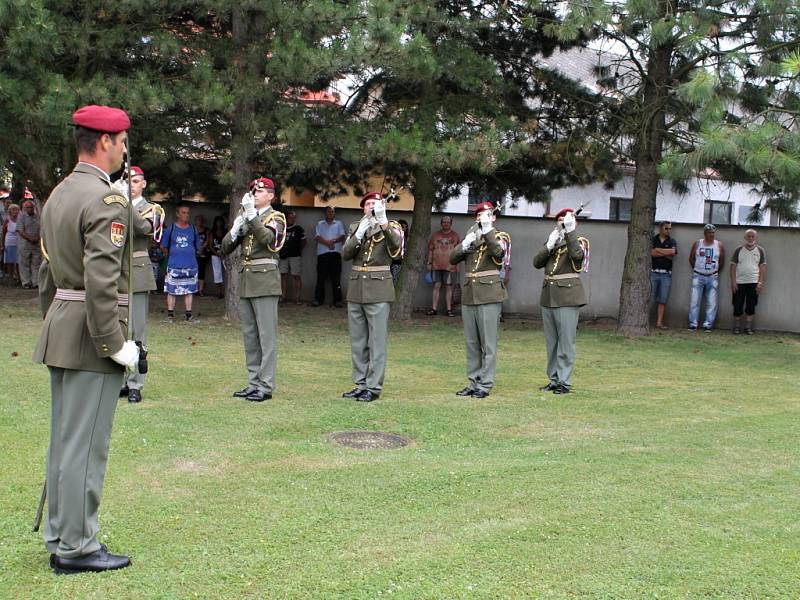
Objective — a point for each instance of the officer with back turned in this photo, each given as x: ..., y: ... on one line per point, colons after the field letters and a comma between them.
x: 85, y: 294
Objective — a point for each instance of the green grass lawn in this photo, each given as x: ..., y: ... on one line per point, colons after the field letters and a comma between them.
x: 671, y: 472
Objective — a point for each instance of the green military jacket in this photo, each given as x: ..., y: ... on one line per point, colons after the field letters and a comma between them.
x: 84, y: 238
x: 482, y: 262
x: 258, y: 271
x: 562, y: 282
x: 143, y: 278
x: 370, y: 277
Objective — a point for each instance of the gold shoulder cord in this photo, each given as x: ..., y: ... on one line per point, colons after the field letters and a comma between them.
x: 503, y: 237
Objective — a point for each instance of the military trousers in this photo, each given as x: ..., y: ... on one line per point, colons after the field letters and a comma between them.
x: 81, y: 416
x: 259, y: 317
x: 369, y: 332
x: 481, y: 322
x: 140, y: 305
x: 29, y: 258
x: 560, y: 329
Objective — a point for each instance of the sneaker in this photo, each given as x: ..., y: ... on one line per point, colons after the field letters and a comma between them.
x: 192, y: 320
x: 748, y: 331
x: 431, y: 312
x: 692, y: 327
x: 450, y: 313
x: 169, y: 320
x: 706, y: 329
x: 736, y: 331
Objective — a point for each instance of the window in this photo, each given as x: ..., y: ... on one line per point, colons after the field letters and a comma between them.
x: 620, y: 209
x: 718, y: 213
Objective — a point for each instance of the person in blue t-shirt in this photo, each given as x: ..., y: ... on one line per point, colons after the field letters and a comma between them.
x: 181, y: 244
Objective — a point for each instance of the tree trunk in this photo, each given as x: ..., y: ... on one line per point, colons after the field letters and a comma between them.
x: 416, y: 245
x: 634, y: 296
x: 242, y: 139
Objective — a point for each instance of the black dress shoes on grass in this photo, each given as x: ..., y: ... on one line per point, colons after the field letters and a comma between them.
x: 467, y: 391
x: 354, y: 393
x: 258, y: 396
x: 96, y: 562
x: 134, y: 396
x: 367, y: 396
x: 550, y: 387
x: 244, y: 392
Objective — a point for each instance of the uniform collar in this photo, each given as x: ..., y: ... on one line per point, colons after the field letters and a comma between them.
x: 264, y: 210
x: 139, y: 201
x: 84, y: 167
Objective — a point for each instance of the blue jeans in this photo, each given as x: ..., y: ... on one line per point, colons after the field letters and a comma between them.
x: 707, y: 286
x: 660, y: 284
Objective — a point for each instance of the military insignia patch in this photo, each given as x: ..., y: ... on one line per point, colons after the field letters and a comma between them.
x: 116, y: 199
x: 118, y: 234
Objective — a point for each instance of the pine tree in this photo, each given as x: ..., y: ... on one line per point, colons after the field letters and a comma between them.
x: 666, y: 44
x: 448, y: 94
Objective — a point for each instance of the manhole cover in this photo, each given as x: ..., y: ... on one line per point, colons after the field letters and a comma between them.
x: 368, y: 440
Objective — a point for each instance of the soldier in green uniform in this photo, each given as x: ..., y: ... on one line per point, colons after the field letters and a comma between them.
x: 260, y: 231
x: 85, y: 295
x: 371, y: 244
x: 562, y: 257
x: 146, y: 218
x: 482, y: 251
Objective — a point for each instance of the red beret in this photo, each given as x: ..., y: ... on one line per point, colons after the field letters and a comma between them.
x: 262, y: 183
x: 136, y: 171
x: 101, y: 118
x: 28, y: 195
x: 484, y: 206
x: 370, y: 196
x: 562, y: 213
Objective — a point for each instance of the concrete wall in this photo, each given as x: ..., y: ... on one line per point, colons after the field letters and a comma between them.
x: 777, y: 308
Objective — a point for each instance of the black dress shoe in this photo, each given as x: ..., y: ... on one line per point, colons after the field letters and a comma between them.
x: 244, y: 392
x: 480, y: 394
x: 367, y: 396
x: 258, y: 396
x: 101, y: 560
x: 124, y: 391
x: 467, y: 391
x: 354, y: 393
x: 549, y: 387
x: 561, y: 389
x: 134, y: 396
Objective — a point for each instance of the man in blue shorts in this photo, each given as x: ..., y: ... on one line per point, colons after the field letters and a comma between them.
x: 664, y: 250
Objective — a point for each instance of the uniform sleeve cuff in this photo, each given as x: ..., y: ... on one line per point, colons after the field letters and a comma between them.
x: 108, y: 344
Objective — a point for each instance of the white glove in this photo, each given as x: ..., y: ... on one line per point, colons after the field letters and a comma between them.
x: 121, y: 187
x: 380, y: 212
x: 128, y: 355
x: 249, y: 206
x: 468, y: 240
x: 554, y: 239
x: 363, y: 226
x: 569, y: 222
x: 236, y: 230
x: 485, y: 220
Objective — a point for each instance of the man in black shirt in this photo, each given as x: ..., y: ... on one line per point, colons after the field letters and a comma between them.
x: 290, y: 260
x: 664, y: 250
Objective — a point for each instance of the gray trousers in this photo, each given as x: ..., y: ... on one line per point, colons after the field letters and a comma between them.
x: 260, y: 331
x: 560, y: 328
x: 480, y: 334
x: 29, y: 259
x: 140, y: 303
x: 369, y: 331
x: 81, y: 415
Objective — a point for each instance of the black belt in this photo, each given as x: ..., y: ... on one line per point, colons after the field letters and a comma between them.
x: 706, y: 274
x: 661, y: 271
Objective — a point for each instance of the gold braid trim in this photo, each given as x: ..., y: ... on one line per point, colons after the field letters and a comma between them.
x: 503, y: 237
